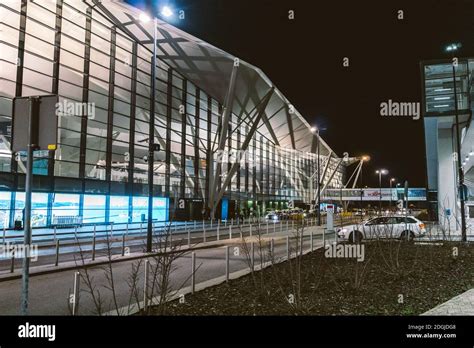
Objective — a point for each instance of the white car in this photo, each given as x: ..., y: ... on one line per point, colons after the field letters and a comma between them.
x: 400, y: 227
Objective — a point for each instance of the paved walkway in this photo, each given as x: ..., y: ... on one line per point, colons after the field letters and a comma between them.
x: 460, y: 305
x: 50, y: 292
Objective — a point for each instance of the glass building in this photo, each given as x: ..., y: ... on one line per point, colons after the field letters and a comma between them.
x: 439, y: 83
x: 97, y: 57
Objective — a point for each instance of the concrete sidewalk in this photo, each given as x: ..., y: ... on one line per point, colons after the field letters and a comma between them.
x: 67, y: 250
x: 460, y: 305
x: 50, y: 291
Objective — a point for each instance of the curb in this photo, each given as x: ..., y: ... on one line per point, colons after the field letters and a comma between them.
x: 73, y: 265
x: 134, y: 308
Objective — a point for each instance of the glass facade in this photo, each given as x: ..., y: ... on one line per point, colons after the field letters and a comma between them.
x: 439, y: 80
x: 99, y: 171
x: 439, y: 87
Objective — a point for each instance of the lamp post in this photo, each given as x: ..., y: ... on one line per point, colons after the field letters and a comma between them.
x: 364, y: 159
x: 151, y: 134
x: 392, y: 180
x: 380, y: 172
x: 451, y: 48
x: 318, y: 209
x: 315, y: 130
x: 396, y: 188
x: 152, y: 147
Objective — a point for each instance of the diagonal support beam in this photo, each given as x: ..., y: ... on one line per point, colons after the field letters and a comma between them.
x: 332, y: 175
x: 229, y: 101
x: 358, y: 174
x: 326, y: 168
x: 290, y: 128
x: 270, y: 129
x: 245, y: 144
x: 356, y: 170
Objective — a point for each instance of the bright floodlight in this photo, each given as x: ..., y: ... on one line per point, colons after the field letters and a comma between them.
x: 166, y: 11
x: 144, y: 18
x: 453, y: 47
x: 313, y: 129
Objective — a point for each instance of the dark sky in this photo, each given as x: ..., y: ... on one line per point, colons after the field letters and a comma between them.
x: 303, y: 57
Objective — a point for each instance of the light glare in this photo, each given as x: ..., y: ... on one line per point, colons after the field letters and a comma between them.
x: 144, y: 18
x: 166, y: 11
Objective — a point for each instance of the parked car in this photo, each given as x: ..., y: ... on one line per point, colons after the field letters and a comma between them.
x: 405, y: 228
x: 283, y: 214
x: 272, y: 216
x: 312, y: 213
x: 359, y: 212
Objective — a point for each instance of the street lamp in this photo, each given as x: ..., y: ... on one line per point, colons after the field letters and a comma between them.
x: 151, y: 133
x: 315, y: 130
x: 392, y: 180
x: 381, y: 172
x: 364, y: 158
x: 452, y: 48
x: 166, y: 12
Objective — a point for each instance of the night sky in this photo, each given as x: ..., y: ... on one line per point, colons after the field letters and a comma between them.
x: 304, y: 58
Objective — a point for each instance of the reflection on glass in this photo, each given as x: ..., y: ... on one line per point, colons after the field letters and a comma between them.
x: 94, y: 209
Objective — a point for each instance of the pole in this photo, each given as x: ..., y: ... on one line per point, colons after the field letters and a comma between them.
x: 151, y: 137
x: 193, y: 272
x: 390, y: 201
x: 361, y: 194
x: 27, y: 223
x: 318, y: 203
x: 380, y: 192
x: 77, y: 282
x: 459, y: 163
x: 252, y: 256
x: 406, y: 210
x: 56, y: 262
x: 93, y: 248
x: 287, y: 247
x: 145, y: 285
x: 123, y: 244
x: 12, y: 262
x: 227, y: 263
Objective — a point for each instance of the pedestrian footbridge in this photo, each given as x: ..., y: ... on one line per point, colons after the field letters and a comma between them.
x: 374, y: 194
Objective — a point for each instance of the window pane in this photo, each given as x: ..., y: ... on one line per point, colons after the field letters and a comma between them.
x: 94, y: 209
x: 118, y: 209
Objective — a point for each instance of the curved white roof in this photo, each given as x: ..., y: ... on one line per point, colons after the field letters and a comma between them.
x: 209, y: 68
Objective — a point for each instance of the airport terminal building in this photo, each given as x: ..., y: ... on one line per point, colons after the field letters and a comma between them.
x: 97, y: 57
x: 438, y: 82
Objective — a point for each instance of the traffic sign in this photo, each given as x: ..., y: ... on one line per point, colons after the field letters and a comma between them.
x: 44, y: 122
